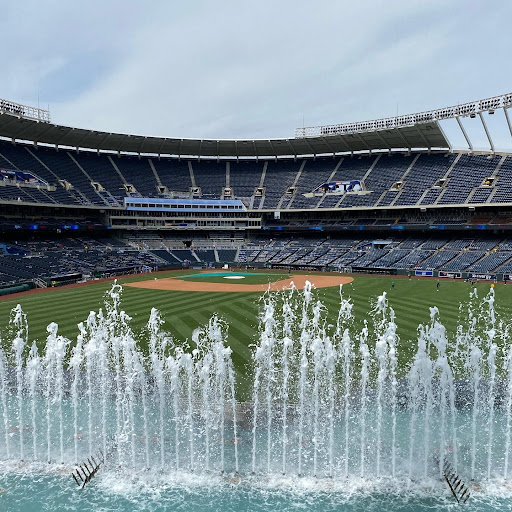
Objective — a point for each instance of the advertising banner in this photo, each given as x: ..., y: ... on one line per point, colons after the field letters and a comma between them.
x: 488, y: 277
x: 341, y: 186
x: 425, y: 273
x: 456, y: 275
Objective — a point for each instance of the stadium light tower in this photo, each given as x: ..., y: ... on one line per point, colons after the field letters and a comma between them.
x: 508, y: 120
x: 35, y: 113
x: 486, y: 130
x: 393, y: 124
x: 465, y: 133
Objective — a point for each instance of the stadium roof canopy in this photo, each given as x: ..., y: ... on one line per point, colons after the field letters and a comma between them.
x: 416, y: 131
x: 422, y: 136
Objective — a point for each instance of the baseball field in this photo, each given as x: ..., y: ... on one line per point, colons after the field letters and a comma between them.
x: 186, y: 300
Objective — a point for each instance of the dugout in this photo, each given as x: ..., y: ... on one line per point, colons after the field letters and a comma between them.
x: 62, y: 279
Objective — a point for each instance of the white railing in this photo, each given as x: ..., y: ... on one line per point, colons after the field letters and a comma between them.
x: 38, y: 114
x: 462, y: 110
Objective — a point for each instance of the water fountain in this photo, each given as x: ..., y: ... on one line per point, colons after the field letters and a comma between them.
x: 333, y: 400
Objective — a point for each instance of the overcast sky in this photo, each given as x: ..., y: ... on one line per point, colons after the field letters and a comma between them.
x: 253, y: 69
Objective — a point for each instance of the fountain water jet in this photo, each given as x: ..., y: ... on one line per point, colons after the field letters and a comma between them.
x: 330, y: 398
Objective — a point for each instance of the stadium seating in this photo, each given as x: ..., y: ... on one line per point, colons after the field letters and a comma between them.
x: 388, y: 171
x: 210, y: 176
x: 490, y: 262
x: 388, y: 179
x: 244, y: 179
x: 503, y: 184
x: 413, y: 259
x: 137, y: 172
x: 207, y: 256
x: 100, y: 170
x: 382, y: 227
x: 468, y: 172
x: 173, y: 174
x: 463, y: 260
x: 226, y: 255
x: 63, y: 165
x: 278, y: 178
x: 425, y: 172
x: 46, y: 258
x: 314, y: 174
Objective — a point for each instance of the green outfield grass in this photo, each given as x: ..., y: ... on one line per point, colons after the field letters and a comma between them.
x: 184, y: 311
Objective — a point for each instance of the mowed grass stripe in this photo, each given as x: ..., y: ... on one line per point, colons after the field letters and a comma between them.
x: 67, y: 314
x: 184, y: 301
x: 37, y: 299
x: 70, y: 305
x: 181, y: 328
x: 237, y: 332
x: 242, y: 331
x: 184, y: 311
x: 77, y: 307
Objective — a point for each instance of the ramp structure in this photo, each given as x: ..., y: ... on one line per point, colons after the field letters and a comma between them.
x: 459, y: 490
x: 84, y: 473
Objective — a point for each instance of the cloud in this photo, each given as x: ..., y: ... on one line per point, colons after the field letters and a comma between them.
x: 251, y: 69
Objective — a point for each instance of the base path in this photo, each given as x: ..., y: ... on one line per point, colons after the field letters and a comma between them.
x: 318, y: 281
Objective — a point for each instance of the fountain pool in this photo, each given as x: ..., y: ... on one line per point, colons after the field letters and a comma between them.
x: 338, y: 419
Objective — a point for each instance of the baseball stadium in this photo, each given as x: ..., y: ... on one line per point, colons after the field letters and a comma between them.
x: 327, y: 313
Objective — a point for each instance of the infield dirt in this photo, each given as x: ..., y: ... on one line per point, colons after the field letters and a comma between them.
x: 318, y: 281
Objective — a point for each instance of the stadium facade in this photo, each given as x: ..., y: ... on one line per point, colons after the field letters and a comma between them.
x: 390, y: 195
